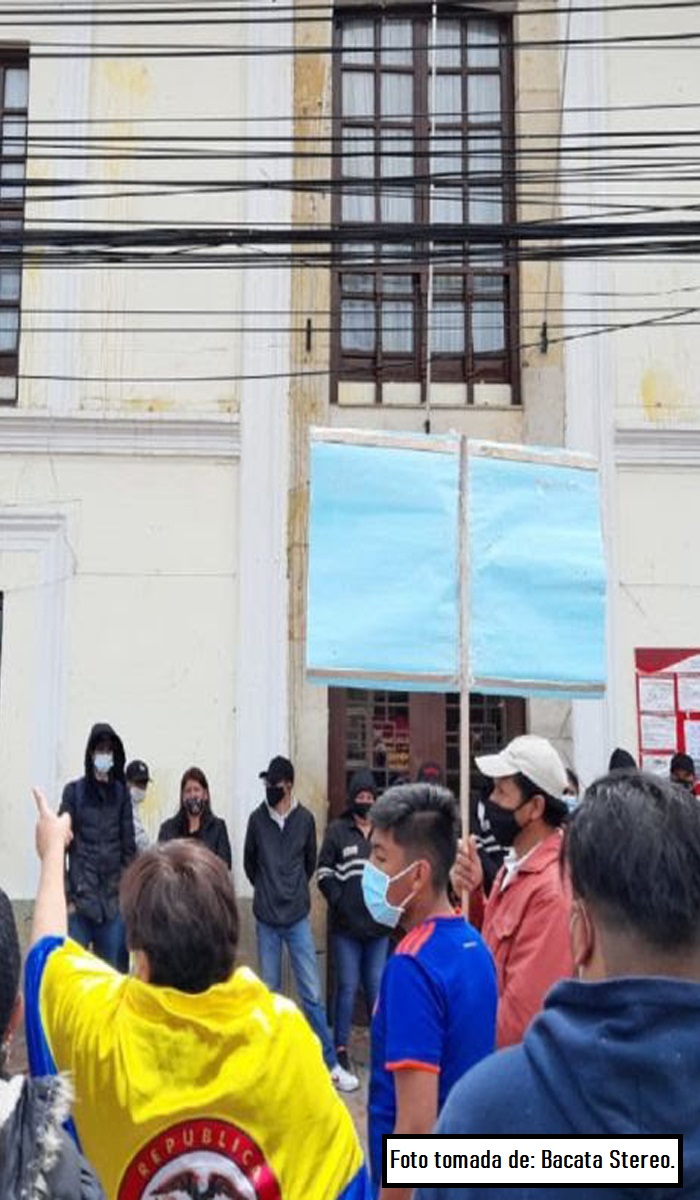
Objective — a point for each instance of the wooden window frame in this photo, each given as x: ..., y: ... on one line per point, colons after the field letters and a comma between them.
x: 13, y: 210
x: 378, y: 367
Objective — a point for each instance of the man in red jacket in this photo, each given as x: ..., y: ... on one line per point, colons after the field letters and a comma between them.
x: 526, y: 917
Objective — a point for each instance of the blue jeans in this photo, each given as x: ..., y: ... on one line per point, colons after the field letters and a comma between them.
x: 105, y: 937
x: 356, y: 961
x: 302, y: 955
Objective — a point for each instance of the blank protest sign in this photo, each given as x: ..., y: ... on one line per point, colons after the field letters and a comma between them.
x: 386, y: 569
x: 383, y: 563
x: 536, y: 573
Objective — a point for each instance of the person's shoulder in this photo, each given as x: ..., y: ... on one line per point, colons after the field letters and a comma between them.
x: 498, y: 1095
x: 305, y: 814
x: 168, y: 830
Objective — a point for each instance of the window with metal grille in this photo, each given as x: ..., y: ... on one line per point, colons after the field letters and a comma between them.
x: 423, y: 119
x: 14, y: 102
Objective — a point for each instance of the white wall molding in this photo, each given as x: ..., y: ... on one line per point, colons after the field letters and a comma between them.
x: 590, y: 381
x: 45, y: 534
x: 159, y: 436
x: 649, y: 446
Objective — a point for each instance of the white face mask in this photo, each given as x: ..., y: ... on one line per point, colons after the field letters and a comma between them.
x: 103, y: 761
x: 138, y: 794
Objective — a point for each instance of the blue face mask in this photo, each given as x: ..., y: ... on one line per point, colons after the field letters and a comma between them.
x: 375, y: 885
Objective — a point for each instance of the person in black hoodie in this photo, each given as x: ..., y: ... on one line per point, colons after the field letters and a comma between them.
x: 101, y: 847
x: 358, y: 943
x: 195, y: 819
x: 615, y: 1052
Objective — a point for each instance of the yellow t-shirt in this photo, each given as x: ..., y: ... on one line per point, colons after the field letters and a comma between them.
x: 221, y: 1094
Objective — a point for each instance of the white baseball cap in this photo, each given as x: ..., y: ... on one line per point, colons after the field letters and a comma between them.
x: 528, y: 755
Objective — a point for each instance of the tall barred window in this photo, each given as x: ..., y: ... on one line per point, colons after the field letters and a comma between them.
x: 14, y: 102
x: 423, y: 136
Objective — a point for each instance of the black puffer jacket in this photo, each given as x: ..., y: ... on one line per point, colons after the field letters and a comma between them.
x: 103, y: 833
x: 38, y: 1161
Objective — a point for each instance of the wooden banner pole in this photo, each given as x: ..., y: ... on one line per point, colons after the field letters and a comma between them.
x: 464, y: 738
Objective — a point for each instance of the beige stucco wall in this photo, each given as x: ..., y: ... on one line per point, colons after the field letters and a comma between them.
x: 539, y: 419
x: 147, y: 644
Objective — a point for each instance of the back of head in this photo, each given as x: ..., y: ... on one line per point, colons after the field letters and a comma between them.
x: 179, y: 908
x: 430, y: 772
x: 10, y: 963
x: 621, y: 760
x: 633, y: 848
x: 423, y: 820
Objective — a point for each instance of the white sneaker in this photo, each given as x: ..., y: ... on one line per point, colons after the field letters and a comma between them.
x: 345, y: 1081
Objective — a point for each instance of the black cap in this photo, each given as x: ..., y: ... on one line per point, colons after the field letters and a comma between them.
x: 279, y: 771
x: 137, y: 772
x: 682, y: 762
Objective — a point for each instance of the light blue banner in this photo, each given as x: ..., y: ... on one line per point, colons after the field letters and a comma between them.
x: 384, y: 570
x: 536, y: 578
x: 383, y: 574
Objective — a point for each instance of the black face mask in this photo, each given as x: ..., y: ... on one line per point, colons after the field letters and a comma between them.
x: 274, y: 794
x: 360, y: 810
x: 194, y: 806
x: 504, y: 826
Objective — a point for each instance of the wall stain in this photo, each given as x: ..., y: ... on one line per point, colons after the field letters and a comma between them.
x: 661, y: 394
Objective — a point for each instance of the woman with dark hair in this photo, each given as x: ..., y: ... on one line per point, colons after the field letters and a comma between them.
x: 195, y: 818
x: 36, y: 1156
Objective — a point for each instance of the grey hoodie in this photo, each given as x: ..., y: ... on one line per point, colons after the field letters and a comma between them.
x: 38, y: 1161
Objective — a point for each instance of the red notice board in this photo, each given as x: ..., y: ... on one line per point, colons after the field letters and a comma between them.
x: 668, y: 707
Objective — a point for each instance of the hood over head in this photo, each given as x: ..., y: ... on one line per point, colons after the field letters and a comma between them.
x: 362, y: 781
x: 98, y: 731
x: 623, y: 1057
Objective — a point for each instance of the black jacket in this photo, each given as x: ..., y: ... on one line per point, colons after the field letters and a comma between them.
x: 340, y: 865
x: 279, y: 863
x: 103, y: 833
x: 37, y: 1158
x: 212, y: 832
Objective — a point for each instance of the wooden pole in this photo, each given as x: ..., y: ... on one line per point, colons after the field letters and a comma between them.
x: 464, y: 740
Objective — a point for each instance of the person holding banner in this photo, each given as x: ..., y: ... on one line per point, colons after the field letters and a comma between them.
x: 435, y: 1016
x: 191, y: 1077
x: 526, y: 915
x: 616, y: 1052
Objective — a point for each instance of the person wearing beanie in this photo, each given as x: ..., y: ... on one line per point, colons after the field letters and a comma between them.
x: 682, y: 771
x: 358, y: 944
x: 621, y: 760
x: 37, y: 1158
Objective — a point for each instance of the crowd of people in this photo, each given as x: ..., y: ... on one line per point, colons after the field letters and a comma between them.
x: 567, y: 1004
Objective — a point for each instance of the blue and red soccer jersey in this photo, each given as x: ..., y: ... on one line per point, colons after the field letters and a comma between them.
x: 436, y: 1012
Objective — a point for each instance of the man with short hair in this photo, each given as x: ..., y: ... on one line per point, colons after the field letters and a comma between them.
x: 616, y: 1052
x: 682, y: 771
x: 191, y: 1078
x: 435, y: 1015
x: 279, y: 858
x: 526, y: 916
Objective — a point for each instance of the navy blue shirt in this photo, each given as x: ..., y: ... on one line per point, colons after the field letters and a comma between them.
x: 604, y: 1059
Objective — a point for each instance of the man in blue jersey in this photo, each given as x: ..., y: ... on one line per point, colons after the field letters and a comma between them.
x: 436, y: 1013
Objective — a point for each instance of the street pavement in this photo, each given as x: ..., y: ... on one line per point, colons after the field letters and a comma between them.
x: 357, y: 1101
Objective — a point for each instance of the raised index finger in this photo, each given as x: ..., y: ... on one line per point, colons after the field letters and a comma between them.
x: 41, y: 802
